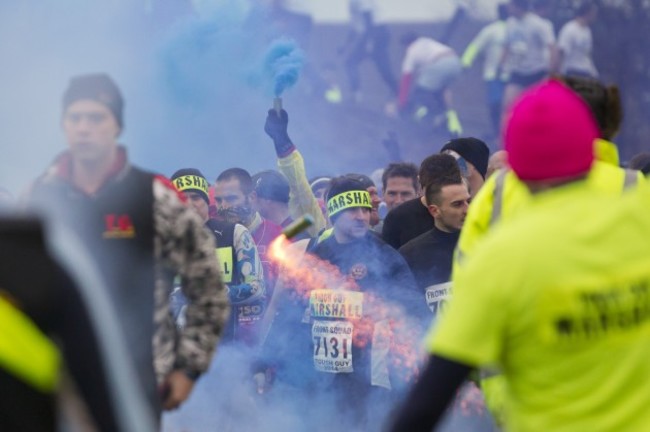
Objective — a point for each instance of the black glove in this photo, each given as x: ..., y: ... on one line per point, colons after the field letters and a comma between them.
x: 276, y: 128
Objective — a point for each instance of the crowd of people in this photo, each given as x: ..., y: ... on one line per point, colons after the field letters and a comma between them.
x: 272, y: 301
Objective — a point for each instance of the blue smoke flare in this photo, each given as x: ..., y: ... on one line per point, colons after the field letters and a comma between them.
x: 282, y: 65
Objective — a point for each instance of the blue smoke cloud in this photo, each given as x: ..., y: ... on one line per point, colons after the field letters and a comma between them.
x: 282, y: 65
x: 202, y: 54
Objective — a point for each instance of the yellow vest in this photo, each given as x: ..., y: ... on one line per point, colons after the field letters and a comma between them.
x: 503, y: 195
x: 559, y: 299
x: 25, y: 351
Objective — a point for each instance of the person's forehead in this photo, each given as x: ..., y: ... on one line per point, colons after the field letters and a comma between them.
x: 399, y: 182
x: 351, y: 211
x: 229, y: 186
x: 87, y: 106
x: 454, y: 192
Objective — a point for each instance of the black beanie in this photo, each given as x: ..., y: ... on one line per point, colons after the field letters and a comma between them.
x: 191, y: 180
x: 271, y: 185
x: 99, y: 88
x: 364, y: 179
x: 341, y: 185
x: 473, y: 150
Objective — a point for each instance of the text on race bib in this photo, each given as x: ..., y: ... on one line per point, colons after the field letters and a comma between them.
x: 224, y: 256
x: 324, y: 303
x: 249, y: 313
x: 437, y: 296
x: 332, y: 346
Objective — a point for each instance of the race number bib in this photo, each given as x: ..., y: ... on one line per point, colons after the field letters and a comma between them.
x: 437, y: 295
x: 325, y: 303
x: 332, y: 346
x: 224, y: 256
x: 249, y: 313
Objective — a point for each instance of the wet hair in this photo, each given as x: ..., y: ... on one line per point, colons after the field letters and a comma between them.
x: 604, y: 101
x: 244, y: 177
x: 433, y: 189
x: 438, y: 166
x: 641, y: 162
x: 400, y: 169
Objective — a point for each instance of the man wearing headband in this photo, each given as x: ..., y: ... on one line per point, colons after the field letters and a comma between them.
x: 241, y: 268
x: 314, y: 353
x: 139, y: 232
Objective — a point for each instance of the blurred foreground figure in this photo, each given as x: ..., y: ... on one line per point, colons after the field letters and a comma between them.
x: 51, y: 336
x: 140, y: 232
x: 566, y: 323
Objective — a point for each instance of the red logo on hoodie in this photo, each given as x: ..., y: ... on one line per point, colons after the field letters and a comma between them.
x: 118, y: 226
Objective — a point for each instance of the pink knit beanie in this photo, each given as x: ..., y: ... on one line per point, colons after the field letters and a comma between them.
x: 550, y: 133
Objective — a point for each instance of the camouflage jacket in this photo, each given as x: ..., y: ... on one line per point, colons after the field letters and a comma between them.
x: 184, y: 247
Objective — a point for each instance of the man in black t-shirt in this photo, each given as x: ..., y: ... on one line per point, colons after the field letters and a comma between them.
x: 430, y: 255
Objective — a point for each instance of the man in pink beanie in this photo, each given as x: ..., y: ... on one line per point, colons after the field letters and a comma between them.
x: 557, y: 299
x: 550, y: 135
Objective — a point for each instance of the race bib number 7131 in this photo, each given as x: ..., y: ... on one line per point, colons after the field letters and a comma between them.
x: 332, y: 341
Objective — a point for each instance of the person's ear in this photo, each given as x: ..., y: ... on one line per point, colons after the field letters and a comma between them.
x: 434, y: 210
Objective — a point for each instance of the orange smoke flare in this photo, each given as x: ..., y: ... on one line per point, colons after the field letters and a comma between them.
x: 303, y: 272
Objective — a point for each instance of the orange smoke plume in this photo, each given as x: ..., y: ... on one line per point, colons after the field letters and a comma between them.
x: 303, y: 272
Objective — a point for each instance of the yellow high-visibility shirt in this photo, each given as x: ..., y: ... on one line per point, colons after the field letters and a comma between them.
x: 559, y: 300
x: 503, y: 195
x: 606, y: 151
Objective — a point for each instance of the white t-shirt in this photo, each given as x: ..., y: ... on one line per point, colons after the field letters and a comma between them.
x: 529, y: 41
x: 422, y: 52
x: 575, y: 42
